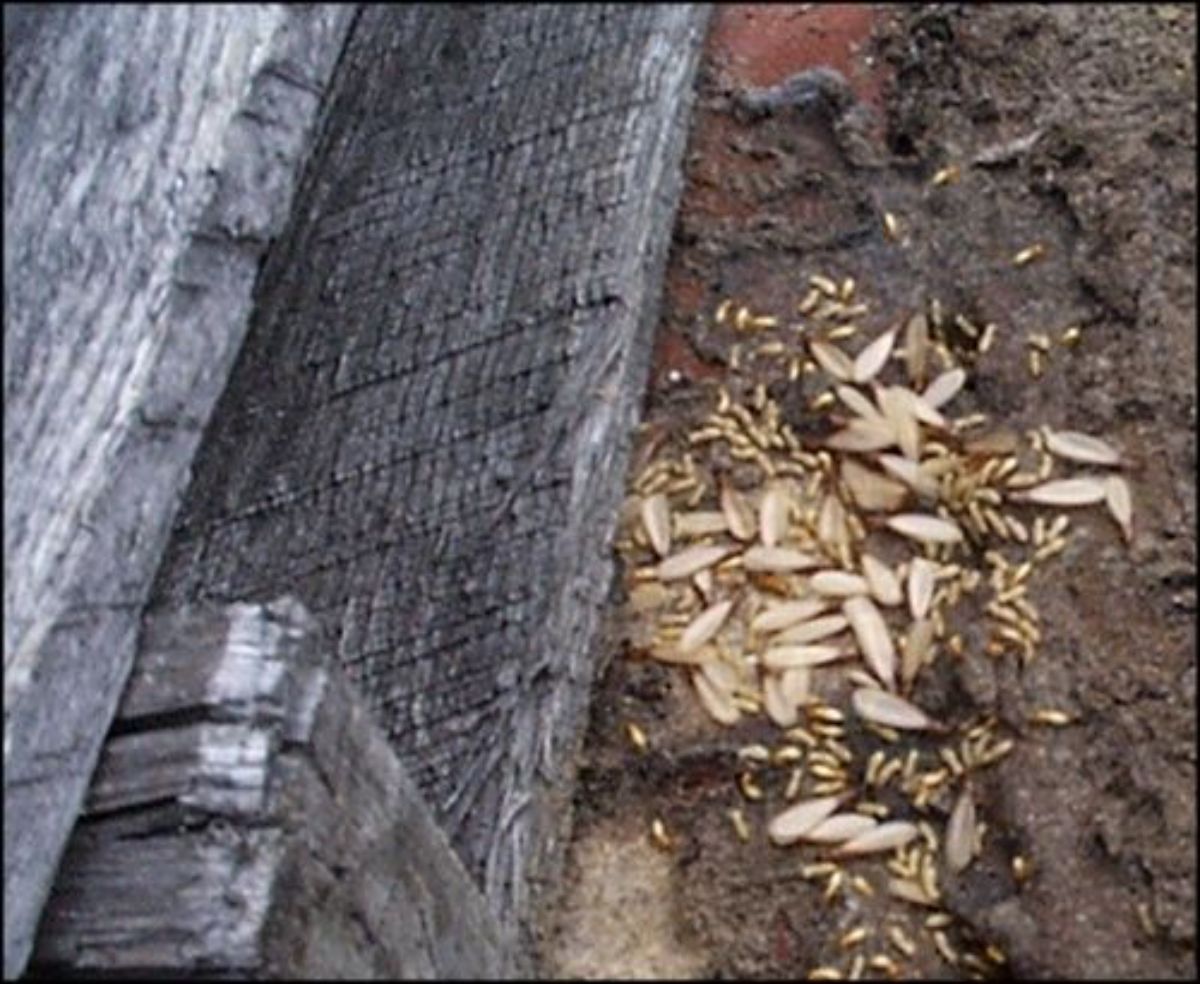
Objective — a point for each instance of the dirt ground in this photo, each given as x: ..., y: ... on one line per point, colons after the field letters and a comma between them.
x: 1072, y: 126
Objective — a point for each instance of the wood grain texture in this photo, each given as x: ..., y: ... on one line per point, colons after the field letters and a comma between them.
x: 426, y: 432
x: 151, y: 153
x: 249, y: 820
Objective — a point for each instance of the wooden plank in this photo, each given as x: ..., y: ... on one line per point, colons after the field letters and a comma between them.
x: 268, y: 833
x: 426, y: 433
x: 151, y: 153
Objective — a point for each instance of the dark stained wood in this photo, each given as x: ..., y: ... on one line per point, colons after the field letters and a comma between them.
x: 426, y: 432
x: 248, y: 819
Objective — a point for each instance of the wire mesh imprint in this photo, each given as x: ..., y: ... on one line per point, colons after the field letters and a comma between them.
x: 417, y: 406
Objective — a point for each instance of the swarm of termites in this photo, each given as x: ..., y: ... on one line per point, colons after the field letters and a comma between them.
x: 813, y: 581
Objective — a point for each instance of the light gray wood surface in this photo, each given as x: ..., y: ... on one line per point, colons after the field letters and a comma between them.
x: 150, y: 154
x: 248, y: 819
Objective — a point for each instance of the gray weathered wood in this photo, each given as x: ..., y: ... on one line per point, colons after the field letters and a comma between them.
x: 426, y: 432
x: 248, y: 819
x: 151, y: 153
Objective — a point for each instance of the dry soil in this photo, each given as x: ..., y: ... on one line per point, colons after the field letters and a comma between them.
x: 1073, y: 126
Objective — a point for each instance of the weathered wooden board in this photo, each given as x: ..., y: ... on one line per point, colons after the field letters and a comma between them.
x: 248, y: 819
x: 150, y: 154
x: 426, y: 431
